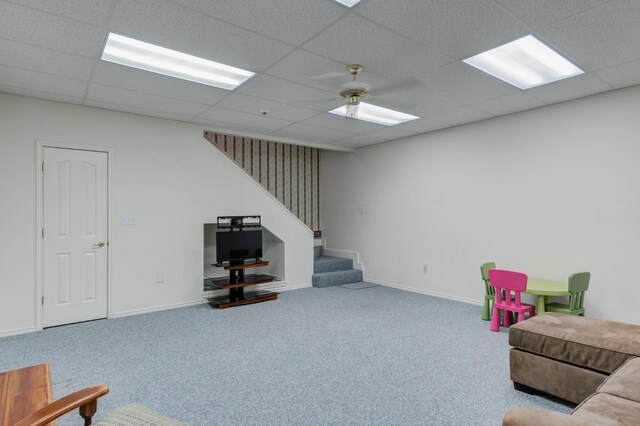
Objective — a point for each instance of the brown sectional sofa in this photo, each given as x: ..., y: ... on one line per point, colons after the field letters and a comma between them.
x: 586, y: 361
x: 616, y: 402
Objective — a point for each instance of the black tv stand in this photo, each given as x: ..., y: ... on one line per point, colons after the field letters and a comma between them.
x: 236, y: 283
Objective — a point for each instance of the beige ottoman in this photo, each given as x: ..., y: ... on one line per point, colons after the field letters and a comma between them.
x: 568, y: 356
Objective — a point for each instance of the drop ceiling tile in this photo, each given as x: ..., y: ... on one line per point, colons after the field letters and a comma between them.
x: 135, y: 110
x: 337, y: 122
x: 354, y: 39
x: 20, y: 55
x: 570, y: 88
x: 232, y: 128
x: 622, y: 75
x: 509, y: 104
x: 291, y: 21
x: 115, y: 75
x: 30, y: 26
x: 600, y: 37
x: 294, y: 94
x: 463, y: 85
x: 358, y: 141
x: 95, y: 12
x: 36, y: 81
x: 312, y: 133
x: 455, y: 28
x: 539, y: 13
x: 419, y: 102
x: 253, y: 105
x: 139, y: 100
x: 411, y: 128
x: 461, y: 116
x: 175, y: 27
x: 215, y: 114
x: 40, y: 95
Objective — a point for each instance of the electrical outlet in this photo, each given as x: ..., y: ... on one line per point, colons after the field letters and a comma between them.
x: 127, y: 220
x: 159, y: 277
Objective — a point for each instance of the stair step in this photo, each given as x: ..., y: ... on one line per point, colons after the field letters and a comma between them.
x: 317, y: 251
x: 330, y: 263
x: 328, y: 279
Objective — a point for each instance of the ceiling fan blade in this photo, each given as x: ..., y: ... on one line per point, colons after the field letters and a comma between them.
x: 330, y: 81
x: 330, y: 75
x: 405, y: 85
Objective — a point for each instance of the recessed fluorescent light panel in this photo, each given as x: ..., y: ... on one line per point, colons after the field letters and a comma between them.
x: 149, y: 57
x: 373, y: 114
x: 525, y: 63
x: 348, y: 3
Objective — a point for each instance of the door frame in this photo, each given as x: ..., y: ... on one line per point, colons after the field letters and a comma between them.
x: 41, y: 144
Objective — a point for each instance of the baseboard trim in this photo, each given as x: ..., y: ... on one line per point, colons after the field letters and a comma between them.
x: 156, y: 309
x: 17, y: 331
x: 348, y: 254
x: 426, y: 292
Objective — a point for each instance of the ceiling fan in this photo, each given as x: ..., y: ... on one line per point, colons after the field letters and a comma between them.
x: 355, y: 91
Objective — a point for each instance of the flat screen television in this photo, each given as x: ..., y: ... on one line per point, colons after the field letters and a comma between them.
x: 237, y: 246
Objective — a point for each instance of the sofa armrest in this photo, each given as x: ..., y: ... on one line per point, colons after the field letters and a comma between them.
x: 540, y: 417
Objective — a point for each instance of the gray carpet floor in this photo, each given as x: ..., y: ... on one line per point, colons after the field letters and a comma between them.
x: 328, y: 356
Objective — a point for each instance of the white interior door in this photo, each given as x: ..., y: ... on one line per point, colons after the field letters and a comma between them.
x: 75, y: 236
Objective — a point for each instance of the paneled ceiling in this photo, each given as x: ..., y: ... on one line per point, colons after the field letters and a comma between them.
x: 50, y: 50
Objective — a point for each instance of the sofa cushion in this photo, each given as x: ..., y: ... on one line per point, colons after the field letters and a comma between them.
x: 137, y: 415
x: 540, y: 417
x: 604, y: 409
x: 587, y: 342
x: 625, y: 382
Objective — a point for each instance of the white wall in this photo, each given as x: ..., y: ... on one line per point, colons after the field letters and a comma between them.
x: 163, y: 172
x: 549, y: 191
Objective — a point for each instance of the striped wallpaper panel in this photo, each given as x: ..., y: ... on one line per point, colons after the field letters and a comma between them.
x: 289, y: 172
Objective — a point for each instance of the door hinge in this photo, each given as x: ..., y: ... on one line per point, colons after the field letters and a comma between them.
x: 42, y: 232
x: 43, y: 300
x: 43, y: 166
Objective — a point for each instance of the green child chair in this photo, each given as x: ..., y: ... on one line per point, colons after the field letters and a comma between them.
x: 490, y: 292
x: 578, y: 285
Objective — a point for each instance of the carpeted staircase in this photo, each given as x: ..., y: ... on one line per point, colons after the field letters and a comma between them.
x: 329, y: 271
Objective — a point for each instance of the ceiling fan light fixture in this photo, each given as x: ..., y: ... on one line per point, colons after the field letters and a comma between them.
x: 525, y: 63
x: 373, y: 114
x: 348, y: 3
x: 149, y: 57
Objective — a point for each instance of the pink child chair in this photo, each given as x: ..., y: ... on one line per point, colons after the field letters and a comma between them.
x: 508, y: 281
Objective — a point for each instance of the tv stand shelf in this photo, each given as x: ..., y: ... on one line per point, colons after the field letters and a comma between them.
x: 236, y: 283
x: 246, y: 266
x: 249, y: 279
